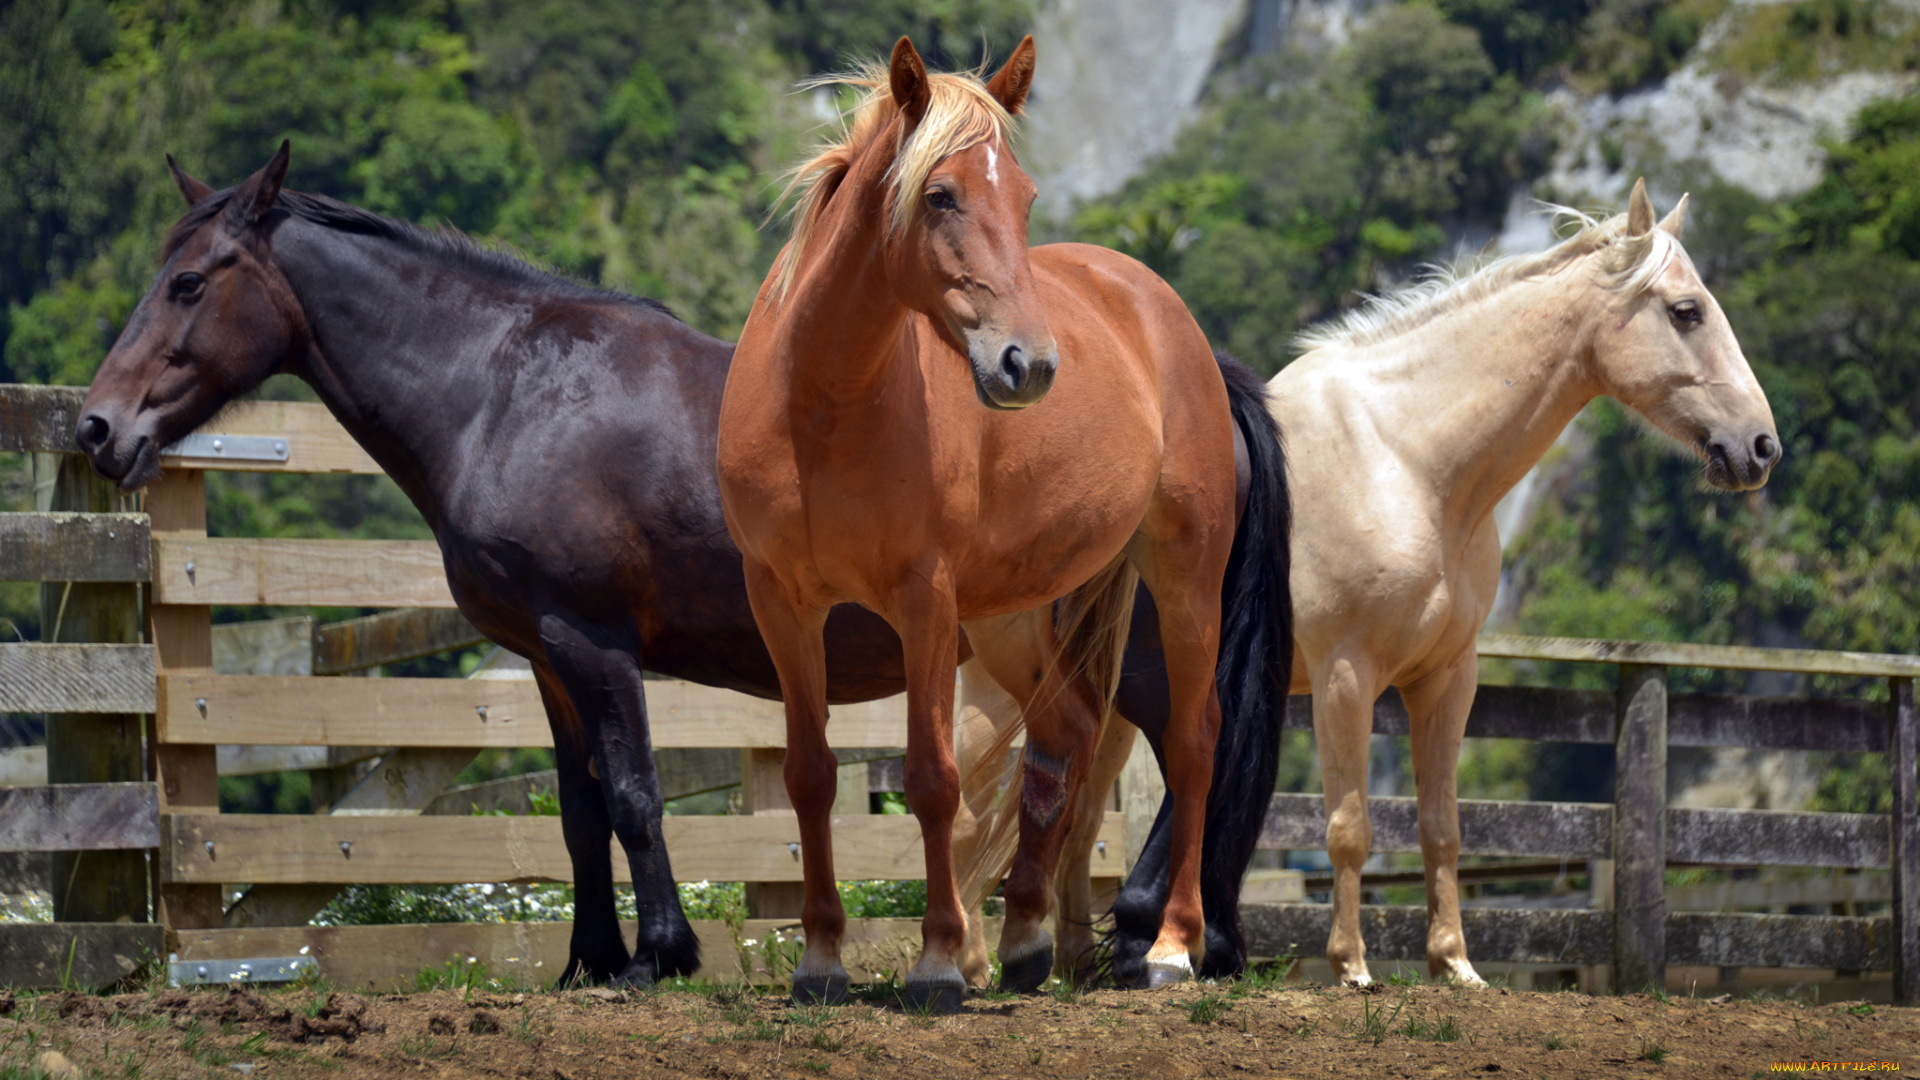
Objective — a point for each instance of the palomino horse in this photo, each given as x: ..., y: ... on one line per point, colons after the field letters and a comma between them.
x: 894, y: 434
x: 1407, y: 422
x: 560, y: 442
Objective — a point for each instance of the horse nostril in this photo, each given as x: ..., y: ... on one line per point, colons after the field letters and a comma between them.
x: 1764, y: 448
x: 93, y: 432
x: 1013, y: 366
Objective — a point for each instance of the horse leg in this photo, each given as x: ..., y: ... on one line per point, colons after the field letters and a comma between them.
x: 1073, y: 881
x: 597, y: 952
x: 1190, y: 639
x: 793, y: 633
x: 1437, y: 710
x: 599, y: 667
x: 984, y: 714
x: 927, y: 616
x: 1343, y: 697
x: 1062, y: 710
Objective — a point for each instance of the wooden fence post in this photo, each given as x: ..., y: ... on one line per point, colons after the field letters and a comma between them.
x: 188, y: 775
x: 1640, y: 830
x: 91, y: 748
x: 1905, y: 829
x: 763, y: 793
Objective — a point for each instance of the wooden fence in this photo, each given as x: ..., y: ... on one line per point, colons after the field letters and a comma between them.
x: 143, y: 856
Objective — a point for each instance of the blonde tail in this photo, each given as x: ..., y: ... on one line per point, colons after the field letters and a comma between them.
x: 1091, y: 622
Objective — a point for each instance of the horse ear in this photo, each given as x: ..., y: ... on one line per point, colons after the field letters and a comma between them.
x: 193, y: 190
x: 1639, y: 210
x: 908, y: 74
x: 1010, y: 86
x: 256, y: 196
x: 1676, y: 220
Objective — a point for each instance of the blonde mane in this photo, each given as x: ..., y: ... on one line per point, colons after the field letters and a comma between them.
x: 1627, y: 266
x: 960, y: 113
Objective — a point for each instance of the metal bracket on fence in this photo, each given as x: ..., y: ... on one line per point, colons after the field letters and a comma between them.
x: 270, y: 969
x: 230, y: 447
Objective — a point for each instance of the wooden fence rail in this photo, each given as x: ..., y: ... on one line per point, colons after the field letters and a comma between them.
x: 124, y: 788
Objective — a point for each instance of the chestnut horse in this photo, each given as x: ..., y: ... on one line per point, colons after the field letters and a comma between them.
x: 1408, y: 422
x: 927, y: 419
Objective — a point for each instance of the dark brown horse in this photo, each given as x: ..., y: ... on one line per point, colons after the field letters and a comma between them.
x: 560, y: 441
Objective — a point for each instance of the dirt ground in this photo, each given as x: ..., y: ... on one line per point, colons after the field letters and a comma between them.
x: 726, y: 1032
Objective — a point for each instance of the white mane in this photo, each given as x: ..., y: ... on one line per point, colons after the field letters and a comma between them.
x: 1627, y: 264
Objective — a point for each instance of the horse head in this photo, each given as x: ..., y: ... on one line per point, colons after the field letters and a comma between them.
x: 958, y: 253
x: 1669, y: 354
x: 217, y: 320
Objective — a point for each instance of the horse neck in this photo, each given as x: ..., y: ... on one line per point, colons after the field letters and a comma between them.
x: 399, y: 371
x: 840, y: 319
x: 1476, y: 398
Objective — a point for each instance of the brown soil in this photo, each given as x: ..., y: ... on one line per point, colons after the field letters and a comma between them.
x: 1192, y: 1031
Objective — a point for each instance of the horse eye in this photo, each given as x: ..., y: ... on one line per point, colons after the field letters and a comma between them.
x: 1686, y: 311
x: 188, y: 285
x: 941, y: 199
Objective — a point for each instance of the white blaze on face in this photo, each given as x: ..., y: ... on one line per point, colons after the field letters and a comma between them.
x: 993, y: 165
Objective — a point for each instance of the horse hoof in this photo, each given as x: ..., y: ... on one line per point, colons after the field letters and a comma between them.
x: 1025, y: 975
x: 1158, y: 976
x: 820, y: 989
x: 935, y: 998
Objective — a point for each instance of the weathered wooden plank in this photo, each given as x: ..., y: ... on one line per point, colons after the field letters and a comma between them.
x: 1400, y: 933
x: 188, y: 775
x: 286, y: 848
x: 1541, y: 830
x: 389, y: 638
x: 316, y: 443
x: 1795, y: 892
x: 1787, y: 941
x: 264, y: 647
x: 1776, y: 723
x: 1639, y: 833
x: 1904, y: 737
x: 254, y: 760
x: 299, y: 573
x: 36, y: 677
x: 1776, y: 838
x: 23, y: 766
x: 289, y: 711
x: 67, y: 546
x: 1553, y: 714
x: 77, y: 955
x: 39, y: 419
x: 1684, y: 654
x: 25, y: 871
x: 404, y: 782
x: 80, y: 817
x: 384, y: 958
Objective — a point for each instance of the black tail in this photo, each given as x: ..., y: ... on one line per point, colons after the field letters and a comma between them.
x: 1254, y: 675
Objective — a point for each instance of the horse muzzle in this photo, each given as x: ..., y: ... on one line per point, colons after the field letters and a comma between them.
x: 1009, y: 375
x: 129, y: 459
x: 1742, y: 463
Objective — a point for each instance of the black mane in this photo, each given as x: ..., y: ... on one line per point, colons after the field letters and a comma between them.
x: 447, y: 242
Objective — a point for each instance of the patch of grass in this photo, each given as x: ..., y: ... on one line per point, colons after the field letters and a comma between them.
x: 1653, y: 1050
x: 425, y: 1048
x: 1065, y: 991
x: 1555, y: 1041
x: 1035, y: 1055
x: 1862, y: 1009
x: 1376, y: 1024
x: 815, y: 1066
x: 1206, y: 1010
x: 1272, y: 975
x: 1306, y: 1030
x: 1404, y: 977
x: 1444, y: 1030
x: 871, y: 1053
x: 827, y: 1041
